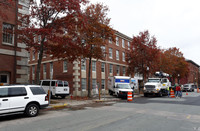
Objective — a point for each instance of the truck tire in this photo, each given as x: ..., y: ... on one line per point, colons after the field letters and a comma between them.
x: 145, y: 94
x: 160, y: 94
x: 110, y: 92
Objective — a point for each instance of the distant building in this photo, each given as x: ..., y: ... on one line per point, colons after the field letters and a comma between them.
x: 13, y: 56
x: 193, y: 75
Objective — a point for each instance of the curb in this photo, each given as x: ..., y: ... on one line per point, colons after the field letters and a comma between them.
x: 58, y: 106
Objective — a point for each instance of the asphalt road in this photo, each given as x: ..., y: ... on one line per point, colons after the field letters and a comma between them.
x: 142, y: 114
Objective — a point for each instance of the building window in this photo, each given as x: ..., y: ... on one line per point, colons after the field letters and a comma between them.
x: 103, y: 84
x: 33, y: 55
x: 117, y: 55
x: 44, y: 68
x: 93, y: 65
x: 110, y: 53
x: 8, y: 34
x: 83, y: 65
x: 33, y: 70
x: 65, y: 66
x: 38, y: 55
x: 110, y: 40
x: 123, y: 56
x: 28, y: 56
x: 117, y: 41
x: 111, y: 68
x: 103, y: 48
x: 94, y: 83
x: 118, y: 69
x: 123, y: 43
x: 102, y: 67
x: 128, y: 45
x: 124, y: 70
x: 51, y: 70
x: 83, y: 83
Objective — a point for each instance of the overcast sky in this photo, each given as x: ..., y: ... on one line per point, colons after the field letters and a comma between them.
x: 175, y: 23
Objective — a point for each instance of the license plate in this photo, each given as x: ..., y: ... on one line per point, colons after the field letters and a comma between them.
x: 164, y: 84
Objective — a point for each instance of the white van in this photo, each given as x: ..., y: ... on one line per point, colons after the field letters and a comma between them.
x: 57, y: 87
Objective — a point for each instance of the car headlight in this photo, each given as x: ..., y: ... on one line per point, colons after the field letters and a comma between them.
x: 144, y: 88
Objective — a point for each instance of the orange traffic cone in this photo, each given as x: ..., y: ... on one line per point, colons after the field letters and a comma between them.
x: 172, y: 94
x: 186, y: 93
x: 129, y: 96
x: 197, y: 90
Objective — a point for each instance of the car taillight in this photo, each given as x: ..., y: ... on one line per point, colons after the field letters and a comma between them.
x: 46, y: 98
x: 56, y: 84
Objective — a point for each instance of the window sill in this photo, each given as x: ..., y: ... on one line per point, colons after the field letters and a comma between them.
x: 65, y: 71
x: 4, y: 43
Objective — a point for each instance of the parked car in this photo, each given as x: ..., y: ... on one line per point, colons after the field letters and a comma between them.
x: 189, y: 87
x: 57, y: 87
x: 26, y: 99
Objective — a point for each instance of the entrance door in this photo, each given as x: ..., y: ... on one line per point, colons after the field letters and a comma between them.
x: 4, y: 78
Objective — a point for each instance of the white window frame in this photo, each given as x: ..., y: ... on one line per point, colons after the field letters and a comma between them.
x: 44, y: 68
x: 83, y: 65
x: 110, y: 40
x: 94, y: 66
x: 83, y: 84
x: 117, y: 54
x: 123, y: 56
x: 64, y: 66
x: 103, y: 83
x: 33, y: 55
x: 118, y: 69
x: 117, y: 41
x: 124, y: 70
x: 123, y: 43
x: 33, y: 70
x: 111, y: 68
x: 94, y: 83
x: 13, y: 38
x: 110, y: 53
x: 128, y: 45
x: 103, y: 67
x: 8, y: 77
x: 103, y: 48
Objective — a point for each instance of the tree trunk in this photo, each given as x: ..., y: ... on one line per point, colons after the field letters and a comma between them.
x: 89, y: 75
x: 37, y: 79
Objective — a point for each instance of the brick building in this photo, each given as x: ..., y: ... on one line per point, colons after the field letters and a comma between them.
x: 193, y: 75
x: 13, y: 56
x: 76, y: 73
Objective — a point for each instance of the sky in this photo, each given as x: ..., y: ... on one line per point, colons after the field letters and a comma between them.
x: 174, y: 23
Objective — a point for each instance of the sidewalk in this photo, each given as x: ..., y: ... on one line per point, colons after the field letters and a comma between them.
x: 68, y: 102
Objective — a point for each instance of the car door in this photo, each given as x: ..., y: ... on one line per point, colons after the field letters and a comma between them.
x: 18, y: 98
x: 4, y: 100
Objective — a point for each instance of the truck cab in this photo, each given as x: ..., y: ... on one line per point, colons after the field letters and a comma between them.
x: 119, y: 86
x: 156, y: 86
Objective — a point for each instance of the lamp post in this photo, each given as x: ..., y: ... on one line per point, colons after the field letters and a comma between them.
x: 178, y: 78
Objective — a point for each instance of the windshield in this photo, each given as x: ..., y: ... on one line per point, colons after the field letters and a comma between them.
x: 154, y: 80
x: 124, y: 86
x: 186, y: 85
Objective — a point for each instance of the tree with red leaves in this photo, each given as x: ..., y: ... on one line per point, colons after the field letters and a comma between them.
x: 56, y: 23
x: 144, y: 55
x: 95, y: 35
x: 173, y: 62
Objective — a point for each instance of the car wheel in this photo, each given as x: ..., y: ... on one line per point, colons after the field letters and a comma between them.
x: 32, y: 110
x: 160, y: 94
x: 110, y: 92
x: 63, y: 97
x: 145, y: 94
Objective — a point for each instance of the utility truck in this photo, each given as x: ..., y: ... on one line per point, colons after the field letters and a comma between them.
x: 119, y: 86
x: 157, y: 85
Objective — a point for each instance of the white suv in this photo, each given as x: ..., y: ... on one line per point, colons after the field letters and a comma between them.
x: 26, y: 99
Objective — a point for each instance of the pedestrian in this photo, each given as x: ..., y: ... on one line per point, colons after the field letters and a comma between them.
x: 168, y: 92
x: 178, y: 91
x: 175, y: 92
